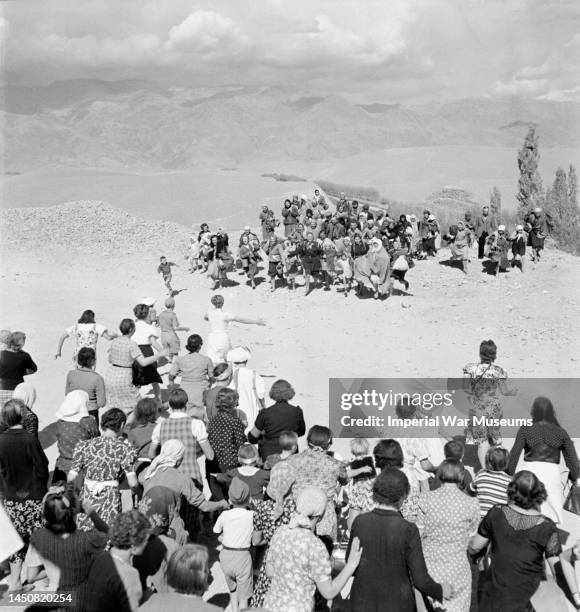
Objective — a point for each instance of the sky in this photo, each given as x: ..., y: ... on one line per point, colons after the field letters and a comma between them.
x: 392, y: 51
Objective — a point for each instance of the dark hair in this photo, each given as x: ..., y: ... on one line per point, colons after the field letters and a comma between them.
x: 187, y: 569
x: 12, y: 412
x: 526, y: 491
x: 388, y: 454
x: 543, y: 410
x: 226, y: 399
x: 496, y: 459
x: 129, y: 529
x: 391, y: 487
x: 282, y: 391
x: 114, y: 419
x: 88, y: 316
x: 454, y: 449
x: 451, y: 470
x: 126, y: 327
x: 288, y: 440
x: 488, y: 351
x: 162, y: 257
x: 319, y: 436
x: 86, y: 357
x: 60, y: 513
x: 141, y: 311
x: 405, y: 409
x: 194, y: 343
x: 146, y: 411
x: 220, y: 369
x: 178, y: 399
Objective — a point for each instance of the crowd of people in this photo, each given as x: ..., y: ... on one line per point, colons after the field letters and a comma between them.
x: 154, y: 480
x: 348, y: 245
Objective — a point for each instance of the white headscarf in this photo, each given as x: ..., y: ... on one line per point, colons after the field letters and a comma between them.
x: 26, y: 393
x: 171, y: 453
x: 311, y: 502
x: 74, y: 408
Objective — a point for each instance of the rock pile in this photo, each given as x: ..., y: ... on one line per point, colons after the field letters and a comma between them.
x: 87, y: 226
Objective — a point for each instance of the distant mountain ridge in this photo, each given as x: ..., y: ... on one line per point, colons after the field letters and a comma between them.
x: 144, y: 124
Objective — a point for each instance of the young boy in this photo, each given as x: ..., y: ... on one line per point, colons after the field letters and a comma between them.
x: 256, y: 479
x: 236, y: 527
x: 454, y: 449
x: 288, y: 443
x: 490, y: 484
x: 164, y: 268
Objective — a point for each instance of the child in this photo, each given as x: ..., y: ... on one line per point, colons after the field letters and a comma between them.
x: 193, y: 255
x: 454, y: 449
x: 254, y: 477
x: 164, y: 268
x: 357, y: 487
x: 344, y: 267
x: 490, y: 485
x: 169, y: 325
x: 519, y: 240
x: 236, y: 527
x: 288, y: 443
x: 291, y: 263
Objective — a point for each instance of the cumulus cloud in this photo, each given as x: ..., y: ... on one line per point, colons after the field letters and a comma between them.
x: 204, y: 32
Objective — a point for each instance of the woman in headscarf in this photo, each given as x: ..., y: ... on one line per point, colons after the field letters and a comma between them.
x: 298, y: 562
x: 269, y: 514
x: 26, y: 393
x: 164, y: 487
x: 74, y: 425
x: 310, y: 256
x: 195, y: 371
x: 218, y: 339
x: 290, y: 217
x: 459, y: 240
x: 103, y: 460
x: 373, y: 271
x: 498, y: 246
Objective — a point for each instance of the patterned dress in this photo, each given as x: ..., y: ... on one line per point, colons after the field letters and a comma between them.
x: 315, y: 468
x: 120, y: 390
x: 449, y: 518
x: 485, y: 381
x: 297, y: 560
x: 103, y: 459
x: 265, y: 522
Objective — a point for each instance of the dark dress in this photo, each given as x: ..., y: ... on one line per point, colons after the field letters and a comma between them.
x: 519, y: 544
x: 275, y: 419
x: 73, y: 556
x: 105, y: 587
x: 392, y: 563
x: 310, y: 253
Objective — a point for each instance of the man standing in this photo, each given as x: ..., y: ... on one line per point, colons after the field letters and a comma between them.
x: 485, y: 225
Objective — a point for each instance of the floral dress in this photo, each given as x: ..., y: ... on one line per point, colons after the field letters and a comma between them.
x: 485, y: 381
x: 102, y: 459
x: 297, y: 560
x: 264, y: 521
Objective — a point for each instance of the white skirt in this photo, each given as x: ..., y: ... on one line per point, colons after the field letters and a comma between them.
x: 218, y: 345
x: 551, y: 475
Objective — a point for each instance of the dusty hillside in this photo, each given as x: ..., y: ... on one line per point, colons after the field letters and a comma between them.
x: 95, y: 123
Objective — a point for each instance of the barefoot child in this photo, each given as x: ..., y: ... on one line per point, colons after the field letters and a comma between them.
x: 236, y: 529
x: 169, y: 325
x: 164, y: 268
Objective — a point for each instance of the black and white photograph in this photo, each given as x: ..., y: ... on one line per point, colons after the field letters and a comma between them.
x: 290, y: 305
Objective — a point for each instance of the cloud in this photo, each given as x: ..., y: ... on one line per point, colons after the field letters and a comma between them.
x: 204, y: 32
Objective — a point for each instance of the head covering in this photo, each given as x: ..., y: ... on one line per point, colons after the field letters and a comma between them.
x: 460, y: 223
x: 148, y: 301
x: 224, y: 375
x: 377, y: 242
x: 246, y: 228
x: 240, y: 354
x: 412, y: 217
x: 239, y: 492
x: 171, y: 453
x: 311, y: 502
x: 501, y: 228
x: 27, y: 393
x: 537, y: 209
x: 303, y: 197
x: 282, y: 477
x: 431, y: 218
x: 519, y: 228
x: 74, y: 407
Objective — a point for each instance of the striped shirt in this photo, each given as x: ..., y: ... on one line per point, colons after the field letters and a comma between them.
x: 491, y: 489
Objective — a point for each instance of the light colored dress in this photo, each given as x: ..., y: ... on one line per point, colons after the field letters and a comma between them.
x: 218, y: 340
x: 251, y: 389
x: 297, y: 560
x: 195, y: 371
x: 449, y: 518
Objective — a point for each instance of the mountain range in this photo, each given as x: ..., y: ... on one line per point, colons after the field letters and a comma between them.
x: 141, y: 124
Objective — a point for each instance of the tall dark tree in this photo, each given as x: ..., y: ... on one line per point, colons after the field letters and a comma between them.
x: 495, y: 202
x: 530, y: 192
x: 563, y: 211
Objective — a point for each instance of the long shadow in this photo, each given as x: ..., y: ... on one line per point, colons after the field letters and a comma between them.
x: 451, y: 263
